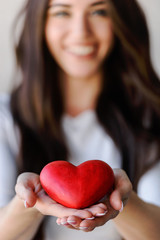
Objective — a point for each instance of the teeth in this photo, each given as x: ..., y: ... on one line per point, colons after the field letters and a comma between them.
x: 81, y: 50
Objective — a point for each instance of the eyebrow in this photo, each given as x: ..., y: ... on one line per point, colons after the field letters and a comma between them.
x: 68, y: 5
x: 99, y: 3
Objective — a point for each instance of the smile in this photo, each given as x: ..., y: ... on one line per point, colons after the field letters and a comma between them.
x: 82, y: 50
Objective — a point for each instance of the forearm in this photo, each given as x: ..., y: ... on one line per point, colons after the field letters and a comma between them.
x: 139, y: 220
x: 17, y: 222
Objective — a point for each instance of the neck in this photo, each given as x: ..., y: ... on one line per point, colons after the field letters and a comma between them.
x: 81, y: 94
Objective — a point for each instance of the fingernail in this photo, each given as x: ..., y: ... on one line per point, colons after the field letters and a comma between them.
x: 91, y: 218
x: 64, y: 223
x: 26, y: 204
x: 72, y: 222
x: 101, y: 214
x: 83, y: 228
x: 121, y: 208
x: 58, y: 223
x: 37, y: 188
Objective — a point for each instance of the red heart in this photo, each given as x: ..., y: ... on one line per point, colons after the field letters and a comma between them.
x: 77, y: 187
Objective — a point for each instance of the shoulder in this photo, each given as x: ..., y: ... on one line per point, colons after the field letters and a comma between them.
x: 9, y: 133
x: 5, y: 113
x: 4, y: 103
x: 6, y: 118
x: 149, y: 185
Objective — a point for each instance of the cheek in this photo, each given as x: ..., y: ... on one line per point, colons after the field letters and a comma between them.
x: 53, y: 35
x: 49, y: 35
x: 106, y: 37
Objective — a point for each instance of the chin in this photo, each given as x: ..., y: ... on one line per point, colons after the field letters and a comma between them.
x: 82, y: 73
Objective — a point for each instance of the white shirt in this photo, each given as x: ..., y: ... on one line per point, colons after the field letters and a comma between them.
x: 86, y: 139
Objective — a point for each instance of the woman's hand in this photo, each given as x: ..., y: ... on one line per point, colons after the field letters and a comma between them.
x: 28, y: 189
x: 106, y: 210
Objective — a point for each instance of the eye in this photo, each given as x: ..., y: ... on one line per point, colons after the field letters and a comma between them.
x: 61, y: 14
x: 100, y: 12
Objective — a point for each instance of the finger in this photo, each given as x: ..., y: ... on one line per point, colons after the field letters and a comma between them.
x: 74, y: 221
x: 27, y: 186
x: 98, y: 210
x: 58, y: 221
x: 85, y: 213
x: 90, y: 225
x: 63, y: 221
x: 122, y: 183
x: 29, y: 180
x: 47, y: 206
x: 123, y: 188
x: 26, y: 194
x: 115, y: 200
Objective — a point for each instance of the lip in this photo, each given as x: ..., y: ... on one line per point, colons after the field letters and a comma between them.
x: 82, y: 50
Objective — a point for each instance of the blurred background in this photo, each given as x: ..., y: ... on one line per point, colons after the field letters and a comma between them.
x: 9, y: 10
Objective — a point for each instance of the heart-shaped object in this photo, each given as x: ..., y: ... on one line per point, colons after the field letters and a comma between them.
x: 77, y: 186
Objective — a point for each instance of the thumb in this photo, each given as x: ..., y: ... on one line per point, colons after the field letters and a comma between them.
x: 115, y: 200
x: 123, y: 188
x: 27, y: 187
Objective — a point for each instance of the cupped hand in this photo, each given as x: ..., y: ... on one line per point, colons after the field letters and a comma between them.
x: 108, y: 209
x: 29, y: 190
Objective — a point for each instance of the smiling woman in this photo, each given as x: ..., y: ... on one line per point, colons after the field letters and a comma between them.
x: 87, y: 91
x: 79, y: 36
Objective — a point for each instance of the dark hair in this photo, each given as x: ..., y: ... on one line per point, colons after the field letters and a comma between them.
x: 128, y: 106
x: 33, y: 102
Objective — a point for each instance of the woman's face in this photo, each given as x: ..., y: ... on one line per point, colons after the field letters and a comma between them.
x: 79, y: 35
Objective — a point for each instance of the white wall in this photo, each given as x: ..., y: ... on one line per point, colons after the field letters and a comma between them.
x: 8, y: 12
x: 9, y: 9
x: 152, y: 10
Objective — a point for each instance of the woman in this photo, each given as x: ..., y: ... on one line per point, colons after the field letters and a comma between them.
x: 88, y: 91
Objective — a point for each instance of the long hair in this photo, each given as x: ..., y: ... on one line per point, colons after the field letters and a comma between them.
x: 128, y: 106
x: 37, y: 104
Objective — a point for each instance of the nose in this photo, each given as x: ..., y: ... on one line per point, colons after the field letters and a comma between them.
x: 81, y: 27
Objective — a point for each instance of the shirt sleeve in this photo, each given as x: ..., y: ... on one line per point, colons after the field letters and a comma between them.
x: 8, y: 152
x: 149, y: 185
